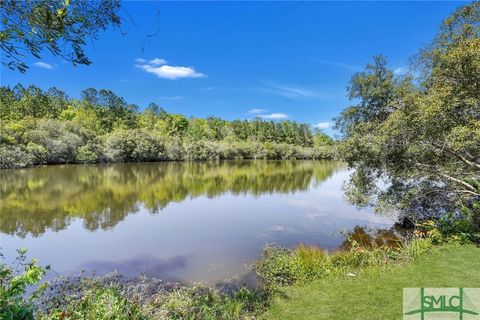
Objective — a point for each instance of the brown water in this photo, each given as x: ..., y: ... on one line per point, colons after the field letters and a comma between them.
x: 179, y: 221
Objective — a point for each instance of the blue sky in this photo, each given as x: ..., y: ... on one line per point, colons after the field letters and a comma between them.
x: 237, y: 60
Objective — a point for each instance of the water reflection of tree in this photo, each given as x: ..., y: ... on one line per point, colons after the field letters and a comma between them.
x: 370, y: 238
x: 35, y: 199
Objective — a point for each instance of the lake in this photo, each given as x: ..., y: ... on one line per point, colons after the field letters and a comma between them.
x: 186, y: 221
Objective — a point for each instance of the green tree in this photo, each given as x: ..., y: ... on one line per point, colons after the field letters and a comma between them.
x: 320, y: 139
x: 415, y: 143
x: 177, y: 124
x: 149, y: 117
x: 60, y: 27
x: 48, y: 127
x: 16, y: 280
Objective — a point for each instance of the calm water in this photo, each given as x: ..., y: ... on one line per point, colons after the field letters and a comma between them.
x: 178, y: 221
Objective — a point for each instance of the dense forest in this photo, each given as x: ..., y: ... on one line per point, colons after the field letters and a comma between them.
x: 48, y: 127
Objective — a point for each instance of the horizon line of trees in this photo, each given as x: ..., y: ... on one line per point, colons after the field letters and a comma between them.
x: 48, y: 127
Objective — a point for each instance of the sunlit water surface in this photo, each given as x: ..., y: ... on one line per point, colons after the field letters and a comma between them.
x: 177, y: 221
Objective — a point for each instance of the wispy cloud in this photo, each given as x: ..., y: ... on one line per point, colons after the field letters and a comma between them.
x: 43, y: 65
x: 400, y: 71
x: 288, y: 91
x: 322, y: 125
x: 257, y: 111
x: 157, y: 62
x: 273, y: 116
x: 158, y: 67
x: 172, y: 98
x: 337, y: 64
x: 140, y: 60
x: 206, y: 89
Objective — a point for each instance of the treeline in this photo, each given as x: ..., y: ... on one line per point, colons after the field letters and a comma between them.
x: 48, y: 127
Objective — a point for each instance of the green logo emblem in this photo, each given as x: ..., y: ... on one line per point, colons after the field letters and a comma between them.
x: 441, y: 303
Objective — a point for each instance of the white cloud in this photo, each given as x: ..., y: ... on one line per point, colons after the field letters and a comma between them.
x: 400, y: 71
x: 172, y: 98
x: 158, y: 67
x: 322, y: 125
x: 43, y: 65
x: 273, y: 116
x: 341, y: 65
x: 291, y: 92
x: 157, y: 62
x: 173, y: 72
x: 140, y: 60
x: 206, y: 89
x: 257, y: 111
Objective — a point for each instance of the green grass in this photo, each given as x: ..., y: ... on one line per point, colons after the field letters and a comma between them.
x: 377, y: 294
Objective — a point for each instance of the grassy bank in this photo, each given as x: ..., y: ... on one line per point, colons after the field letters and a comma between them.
x: 378, y: 294
x: 361, y: 281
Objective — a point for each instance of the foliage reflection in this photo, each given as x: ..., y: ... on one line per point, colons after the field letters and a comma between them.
x: 50, y: 197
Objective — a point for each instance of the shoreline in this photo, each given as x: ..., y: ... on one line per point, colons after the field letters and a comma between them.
x: 106, y: 163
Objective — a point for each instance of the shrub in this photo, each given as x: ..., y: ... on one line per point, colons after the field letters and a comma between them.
x: 14, y: 156
x: 96, y: 303
x: 231, y: 150
x: 111, y: 297
x: 313, y: 261
x: 462, y: 228
x: 134, y: 145
x: 148, y: 147
x: 415, y: 248
x: 323, y: 152
x: 202, y: 150
x: 37, y: 152
x: 286, y: 151
x: 174, y: 149
x: 280, y: 266
x: 53, y: 141
x: 258, y: 151
x: 86, y: 154
x: 15, y: 303
x: 119, y: 146
x: 199, y: 302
